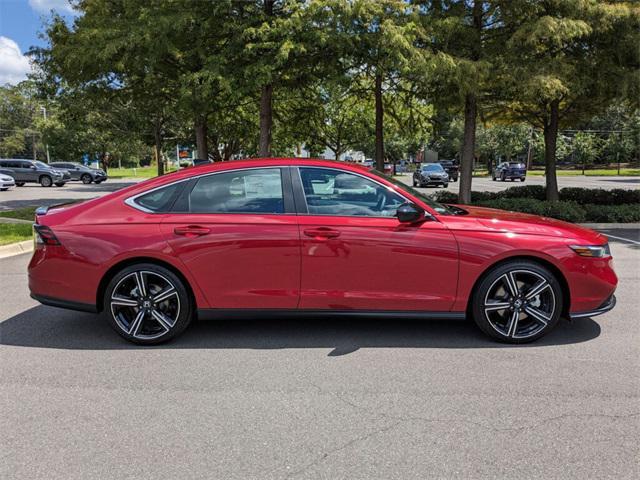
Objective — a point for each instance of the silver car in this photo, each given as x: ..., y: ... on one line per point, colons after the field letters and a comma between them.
x: 430, y: 174
x: 6, y: 182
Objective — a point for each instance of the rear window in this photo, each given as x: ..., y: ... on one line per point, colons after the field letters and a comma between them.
x: 160, y: 200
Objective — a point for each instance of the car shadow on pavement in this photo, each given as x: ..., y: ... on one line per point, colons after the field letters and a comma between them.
x: 47, y: 327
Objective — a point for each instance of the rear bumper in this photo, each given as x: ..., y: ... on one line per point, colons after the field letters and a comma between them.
x: 68, y: 304
x: 604, y: 308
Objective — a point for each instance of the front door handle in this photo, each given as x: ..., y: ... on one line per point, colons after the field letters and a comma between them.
x: 191, y: 231
x: 322, y: 232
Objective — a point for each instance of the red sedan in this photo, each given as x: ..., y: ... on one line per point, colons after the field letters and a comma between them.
x: 311, y: 236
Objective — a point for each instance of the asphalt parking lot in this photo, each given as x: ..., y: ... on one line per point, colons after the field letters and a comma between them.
x: 318, y: 399
x: 485, y: 184
x: 33, y: 194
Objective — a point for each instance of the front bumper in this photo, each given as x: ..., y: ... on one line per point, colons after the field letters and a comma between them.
x: 433, y: 181
x: 604, y: 308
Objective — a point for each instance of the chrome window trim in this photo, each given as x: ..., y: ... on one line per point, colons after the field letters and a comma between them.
x: 131, y: 201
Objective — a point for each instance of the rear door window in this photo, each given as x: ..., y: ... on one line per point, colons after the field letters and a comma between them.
x: 256, y: 190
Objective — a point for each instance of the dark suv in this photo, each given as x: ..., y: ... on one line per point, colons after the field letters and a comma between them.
x: 29, y: 171
x: 510, y: 170
x: 81, y: 172
x: 451, y: 168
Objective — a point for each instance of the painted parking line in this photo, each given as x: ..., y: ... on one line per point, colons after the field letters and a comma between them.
x: 621, y: 238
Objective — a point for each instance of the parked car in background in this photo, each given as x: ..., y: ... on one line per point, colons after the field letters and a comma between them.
x: 81, y: 172
x: 30, y: 171
x: 451, y: 168
x: 6, y: 181
x: 301, y: 236
x: 510, y: 171
x: 430, y: 174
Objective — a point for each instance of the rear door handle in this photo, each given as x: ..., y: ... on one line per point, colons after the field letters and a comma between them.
x: 191, y: 231
x: 322, y: 232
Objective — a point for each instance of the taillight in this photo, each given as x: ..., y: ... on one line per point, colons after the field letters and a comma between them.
x: 43, y: 235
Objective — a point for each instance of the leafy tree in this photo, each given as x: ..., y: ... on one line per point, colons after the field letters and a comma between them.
x: 565, y: 63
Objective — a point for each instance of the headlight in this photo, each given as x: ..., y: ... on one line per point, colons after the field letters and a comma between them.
x: 594, y: 251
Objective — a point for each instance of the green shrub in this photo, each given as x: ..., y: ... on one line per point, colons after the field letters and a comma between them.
x: 612, y: 213
x: 525, y: 191
x: 600, y: 196
x: 567, y: 211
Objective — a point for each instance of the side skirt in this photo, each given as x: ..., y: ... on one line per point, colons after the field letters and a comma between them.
x: 226, y: 314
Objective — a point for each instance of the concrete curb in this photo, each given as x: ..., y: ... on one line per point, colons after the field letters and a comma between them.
x: 612, y: 226
x: 16, y: 248
x: 14, y: 220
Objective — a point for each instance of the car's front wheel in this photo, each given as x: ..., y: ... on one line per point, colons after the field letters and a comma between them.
x: 45, y: 181
x: 147, y: 304
x: 86, y: 179
x: 517, y: 302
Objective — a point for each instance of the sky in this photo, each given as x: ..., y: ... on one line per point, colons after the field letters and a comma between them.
x: 20, y: 23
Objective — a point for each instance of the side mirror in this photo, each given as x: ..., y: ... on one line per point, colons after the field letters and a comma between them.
x: 410, y: 213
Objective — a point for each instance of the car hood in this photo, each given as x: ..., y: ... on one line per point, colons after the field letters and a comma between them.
x: 524, y: 223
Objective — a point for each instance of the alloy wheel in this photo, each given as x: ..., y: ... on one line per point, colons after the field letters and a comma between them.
x: 519, y: 304
x: 145, y: 305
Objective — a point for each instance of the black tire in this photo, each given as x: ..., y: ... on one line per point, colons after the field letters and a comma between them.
x: 522, y: 179
x: 493, y: 177
x: 98, y: 182
x: 503, y: 177
x: 415, y: 184
x: 86, y: 179
x: 506, y: 324
x: 147, y: 322
x: 45, y: 181
x: 19, y: 184
x: 59, y: 184
x: 445, y: 185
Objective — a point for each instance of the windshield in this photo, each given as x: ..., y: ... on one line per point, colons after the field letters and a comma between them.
x: 41, y: 165
x: 438, y: 207
x: 517, y: 165
x: 432, y: 167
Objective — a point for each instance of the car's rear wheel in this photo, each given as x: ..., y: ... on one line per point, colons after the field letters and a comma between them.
x: 147, y: 304
x: 45, y: 181
x: 517, y: 302
x: 86, y: 179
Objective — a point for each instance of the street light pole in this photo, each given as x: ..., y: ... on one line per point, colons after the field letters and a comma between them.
x: 44, y: 113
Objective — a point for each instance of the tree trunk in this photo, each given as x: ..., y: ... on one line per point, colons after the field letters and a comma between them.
x: 200, y: 127
x: 157, y: 150
x: 550, y: 142
x: 379, y: 125
x: 266, y: 120
x: 468, y: 148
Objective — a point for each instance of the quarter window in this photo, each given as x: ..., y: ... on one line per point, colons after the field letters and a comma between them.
x: 339, y: 193
x: 160, y: 200
x: 242, y: 191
